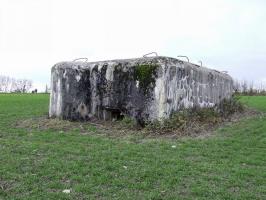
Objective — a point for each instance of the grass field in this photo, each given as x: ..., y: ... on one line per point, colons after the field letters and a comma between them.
x: 36, y: 164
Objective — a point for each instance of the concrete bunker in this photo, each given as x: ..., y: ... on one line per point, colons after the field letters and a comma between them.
x: 143, y: 88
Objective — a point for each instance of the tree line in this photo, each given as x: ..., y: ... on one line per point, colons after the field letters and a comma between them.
x: 8, y: 84
x: 249, y: 88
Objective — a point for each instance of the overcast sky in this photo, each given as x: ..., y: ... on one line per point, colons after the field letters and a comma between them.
x: 226, y: 35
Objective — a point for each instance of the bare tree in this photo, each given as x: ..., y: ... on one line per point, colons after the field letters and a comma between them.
x: 8, y: 84
x: 249, y: 88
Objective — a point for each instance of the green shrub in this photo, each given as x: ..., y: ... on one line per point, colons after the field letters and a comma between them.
x: 128, y: 122
x: 195, y: 119
x: 230, y: 106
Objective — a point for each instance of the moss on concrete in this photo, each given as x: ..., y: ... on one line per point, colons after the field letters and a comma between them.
x: 146, y: 75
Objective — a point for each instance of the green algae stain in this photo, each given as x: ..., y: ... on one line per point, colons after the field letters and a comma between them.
x: 146, y: 75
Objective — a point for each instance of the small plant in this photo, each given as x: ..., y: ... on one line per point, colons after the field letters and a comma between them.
x: 128, y: 122
x: 178, y: 120
x: 92, y: 128
x: 209, y: 115
x: 230, y: 106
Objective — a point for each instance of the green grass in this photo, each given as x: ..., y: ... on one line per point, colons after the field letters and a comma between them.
x: 257, y: 102
x: 41, y: 164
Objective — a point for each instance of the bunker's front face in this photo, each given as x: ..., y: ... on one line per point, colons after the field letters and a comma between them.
x: 143, y: 88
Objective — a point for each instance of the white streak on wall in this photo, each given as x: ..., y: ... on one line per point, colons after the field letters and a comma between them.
x: 59, y: 98
x: 78, y: 77
x: 137, y: 84
x: 109, y: 73
x: 160, y: 97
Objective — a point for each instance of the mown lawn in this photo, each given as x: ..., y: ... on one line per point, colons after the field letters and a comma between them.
x: 41, y: 164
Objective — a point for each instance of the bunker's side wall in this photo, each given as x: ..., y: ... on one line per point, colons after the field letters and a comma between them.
x: 146, y: 88
x: 184, y: 85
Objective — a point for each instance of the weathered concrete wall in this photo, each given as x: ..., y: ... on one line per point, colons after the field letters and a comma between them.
x: 144, y: 88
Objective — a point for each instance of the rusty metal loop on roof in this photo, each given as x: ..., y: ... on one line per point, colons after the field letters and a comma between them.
x: 86, y: 59
x: 146, y: 55
x: 200, y: 63
x: 184, y: 57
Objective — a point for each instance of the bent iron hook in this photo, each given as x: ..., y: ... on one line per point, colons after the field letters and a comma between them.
x: 146, y: 55
x: 80, y: 59
x: 184, y: 57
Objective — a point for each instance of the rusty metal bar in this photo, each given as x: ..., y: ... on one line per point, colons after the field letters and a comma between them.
x: 184, y: 57
x: 200, y: 63
x: 225, y: 72
x: 80, y: 59
x: 146, y: 55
